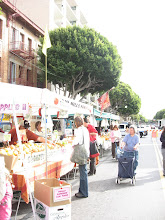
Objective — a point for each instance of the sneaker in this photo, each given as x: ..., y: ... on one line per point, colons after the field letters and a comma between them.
x: 79, y: 195
x: 90, y: 174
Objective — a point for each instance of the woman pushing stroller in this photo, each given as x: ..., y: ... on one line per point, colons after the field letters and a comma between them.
x: 130, y: 145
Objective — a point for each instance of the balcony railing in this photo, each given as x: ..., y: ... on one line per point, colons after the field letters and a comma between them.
x: 22, y: 50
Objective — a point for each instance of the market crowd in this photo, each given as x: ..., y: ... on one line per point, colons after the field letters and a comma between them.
x: 85, y: 145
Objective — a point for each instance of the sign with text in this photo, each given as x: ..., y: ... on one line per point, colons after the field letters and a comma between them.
x: 19, y: 108
x: 61, y: 193
x: 68, y: 104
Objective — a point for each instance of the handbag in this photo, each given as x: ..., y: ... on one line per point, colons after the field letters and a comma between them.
x: 79, y: 155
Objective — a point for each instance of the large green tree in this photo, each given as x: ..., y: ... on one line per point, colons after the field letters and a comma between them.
x: 139, y: 118
x: 82, y: 61
x: 160, y: 114
x: 124, y: 100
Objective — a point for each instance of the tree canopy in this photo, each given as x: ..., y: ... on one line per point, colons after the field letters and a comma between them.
x: 160, y: 114
x: 81, y: 61
x: 124, y: 100
x: 139, y: 118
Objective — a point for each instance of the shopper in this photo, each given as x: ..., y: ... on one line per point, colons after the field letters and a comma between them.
x: 82, y: 136
x: 130, y: 144
x: 93, y: 146
x: 115, y: 139
x: 6, y: 195
x: 24, y: 125
x: 162, y: 139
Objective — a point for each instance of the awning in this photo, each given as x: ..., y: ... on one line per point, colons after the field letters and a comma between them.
x: 105, y: 115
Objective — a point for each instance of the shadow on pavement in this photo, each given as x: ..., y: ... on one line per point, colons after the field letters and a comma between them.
x: 109, y: 184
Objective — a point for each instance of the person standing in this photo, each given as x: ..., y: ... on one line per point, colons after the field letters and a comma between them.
x: 130, y: 144
x: 93, y: 146
x: 162, y: 139
x: 115, y: 139
x: 82, y: 137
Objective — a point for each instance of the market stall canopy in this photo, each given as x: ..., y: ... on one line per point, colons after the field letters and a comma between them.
x: 106, y: 115
x: 23, y: 96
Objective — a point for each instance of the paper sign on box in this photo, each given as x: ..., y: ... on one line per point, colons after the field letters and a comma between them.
x: 61, y: 194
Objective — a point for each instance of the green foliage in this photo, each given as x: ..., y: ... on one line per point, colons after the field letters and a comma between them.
x: 143, y: 119
x: 124, y: 100
x: 82, y: 61
x: 160, y: 114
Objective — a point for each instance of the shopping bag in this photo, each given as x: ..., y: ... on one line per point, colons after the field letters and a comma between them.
x: 79, y: 155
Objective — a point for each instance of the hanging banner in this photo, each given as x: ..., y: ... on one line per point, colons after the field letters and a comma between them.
x: 19, y: 108
x: 104, y: 101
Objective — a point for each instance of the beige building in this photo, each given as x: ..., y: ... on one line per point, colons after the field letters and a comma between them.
x: 19, y: 41
x: 53, y: 13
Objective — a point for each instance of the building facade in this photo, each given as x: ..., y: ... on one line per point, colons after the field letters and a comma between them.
x: 52, y: 13
x: 19, y: 42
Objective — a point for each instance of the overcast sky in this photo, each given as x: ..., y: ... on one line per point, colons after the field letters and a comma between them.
x: 137, y: 28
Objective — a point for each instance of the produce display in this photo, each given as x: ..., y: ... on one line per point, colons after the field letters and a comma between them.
x: 106, y: 137
x: 30, y: 147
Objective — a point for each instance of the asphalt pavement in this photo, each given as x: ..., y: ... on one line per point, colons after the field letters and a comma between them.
x: 108, y: 201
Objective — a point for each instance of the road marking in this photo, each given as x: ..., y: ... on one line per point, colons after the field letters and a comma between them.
x: 160, y: 164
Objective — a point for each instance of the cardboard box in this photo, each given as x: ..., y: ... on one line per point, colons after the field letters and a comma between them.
x: 10, y: 161
x: 52, y: 192
x: 43, y: 212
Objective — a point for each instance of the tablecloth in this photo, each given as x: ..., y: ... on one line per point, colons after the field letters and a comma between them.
x: 55, y: 170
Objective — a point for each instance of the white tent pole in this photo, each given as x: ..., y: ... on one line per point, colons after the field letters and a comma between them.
x: 46, y: 147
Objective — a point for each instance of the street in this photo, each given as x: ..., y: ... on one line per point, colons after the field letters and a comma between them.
x: 107, y: 200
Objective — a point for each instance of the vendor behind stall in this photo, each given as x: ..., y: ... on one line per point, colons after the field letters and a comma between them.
x: 24, y: 125
x: 38, y: 130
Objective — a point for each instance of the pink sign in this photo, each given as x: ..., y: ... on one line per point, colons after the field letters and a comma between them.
x: 19, y: 108
x: 60, y: 194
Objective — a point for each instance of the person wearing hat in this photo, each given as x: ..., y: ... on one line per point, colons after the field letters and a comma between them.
x: 24, y: 125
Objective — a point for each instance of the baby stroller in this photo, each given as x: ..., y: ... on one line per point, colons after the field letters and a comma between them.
x: 126, y: 168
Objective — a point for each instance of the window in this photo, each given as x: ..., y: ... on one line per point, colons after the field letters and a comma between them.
x: 14, y: 39
x: 29, y: 44
x: 22, y: 39
x: 28, y: 74
x: 20, y: 71
x: 12, y: 72
x: 1, y: 28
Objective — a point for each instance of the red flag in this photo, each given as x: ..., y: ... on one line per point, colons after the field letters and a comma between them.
x: 104, y: 101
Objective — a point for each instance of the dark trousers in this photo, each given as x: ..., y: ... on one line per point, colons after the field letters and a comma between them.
x: 83, y: 180
x: 114, y: 149
x: 93, y: 165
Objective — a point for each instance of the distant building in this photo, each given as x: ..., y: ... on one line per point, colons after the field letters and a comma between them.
x: 19, y: 41
x: 53, y: 13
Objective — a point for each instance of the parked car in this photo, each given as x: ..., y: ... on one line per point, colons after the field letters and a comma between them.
x: 123, y: 127
x: 142, y: 130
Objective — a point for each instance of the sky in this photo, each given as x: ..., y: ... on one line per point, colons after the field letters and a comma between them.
x: 137, y: 29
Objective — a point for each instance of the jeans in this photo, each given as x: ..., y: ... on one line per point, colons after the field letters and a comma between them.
x: 93, y: 165
x: 132, y: 154
x: 163, y: 154
x: 83, y: 180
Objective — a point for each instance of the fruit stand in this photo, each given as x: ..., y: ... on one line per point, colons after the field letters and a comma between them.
x: 31, y: 161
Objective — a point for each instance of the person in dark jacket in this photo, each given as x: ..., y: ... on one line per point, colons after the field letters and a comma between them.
x: 162, y: 139
x: 93, y: 146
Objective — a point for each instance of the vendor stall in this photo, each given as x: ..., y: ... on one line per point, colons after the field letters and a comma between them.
x: 31, y: 160
x: 104, y: 120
